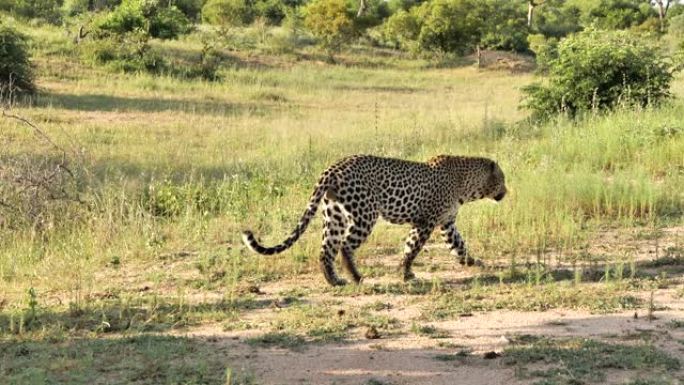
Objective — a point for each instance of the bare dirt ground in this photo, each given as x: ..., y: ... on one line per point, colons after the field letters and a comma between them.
x: 458, y: 355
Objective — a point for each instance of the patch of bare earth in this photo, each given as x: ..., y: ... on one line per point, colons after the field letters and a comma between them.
x: 457, y: 355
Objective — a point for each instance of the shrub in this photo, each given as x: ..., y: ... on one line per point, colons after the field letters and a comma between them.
x: 504, y: 25
x: 557, y: 19
x: 227, y: 13
x: 599, y: 70
x: 75, y: 7
x: 621, y: 14
x: 402, y: 29
x: 273, y: 11
x: 48, y: 10
x: 331, y: 22
x: 545, y: 50
x: 128, y: 52
x: 15, y: 68
x: 146, y: 15
x: 449, y: 26
x: 169, y: 23
x: 192, y: 9
x: 127, y: 17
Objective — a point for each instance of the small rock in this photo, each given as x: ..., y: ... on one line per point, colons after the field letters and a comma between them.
x: 491, y: 355
x: 340, y: 312
x: 254, y: 289
x: 372, y: 333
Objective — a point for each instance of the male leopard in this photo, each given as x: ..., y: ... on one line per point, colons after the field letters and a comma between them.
x: 357, y: 190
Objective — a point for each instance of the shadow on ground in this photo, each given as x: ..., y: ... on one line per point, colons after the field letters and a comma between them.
x: 99, y: 102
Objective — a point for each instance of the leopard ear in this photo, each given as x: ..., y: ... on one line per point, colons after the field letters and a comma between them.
x: 492, y: 166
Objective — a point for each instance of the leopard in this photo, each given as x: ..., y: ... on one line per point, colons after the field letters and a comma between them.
x: 358, y: 190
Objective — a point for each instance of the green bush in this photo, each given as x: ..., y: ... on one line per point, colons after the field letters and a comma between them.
x: 192, y: 9
x: 227, y: 13
x: 557, y: 18
x: 76, y: 7
x: 504, y: 27
x: 128, y: 52
x: 401, y: 30
x: 331, y: 22
x: 620, y: 14
x: 449, y: 26
x: 15, y: 67
x: 598, y: 70
x: 48, y: 10
x: 271, y: 10
x: 169, y: 23
x: 142, y: 15
x: 545, y: 50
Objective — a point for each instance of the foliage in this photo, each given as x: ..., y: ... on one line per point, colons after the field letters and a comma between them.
x: 402, y: 29
x: 127, y: 52
x: 620, y: 14
x: 227, y: 13
x: 598, y: 70
x: 545, y: 49
x: 331, y: 22
x: 15, y: 67
x: 556, y: 18
x: 48, y: 10
x: 271, y: 10
x: 191, y: 8
x: 146, y: 15
x: 458, y: 26
x: 168, y: 23
x: 75, y: 7
x: 376, y: 12
x: 505, y: 27
x: 449, y: 26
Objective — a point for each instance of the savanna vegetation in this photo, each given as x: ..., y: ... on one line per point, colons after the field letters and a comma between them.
x: 139, y: 138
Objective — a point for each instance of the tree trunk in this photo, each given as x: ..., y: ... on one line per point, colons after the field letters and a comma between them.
x: 530, y: 12
x: 662, y: 12
x: 362, y: 8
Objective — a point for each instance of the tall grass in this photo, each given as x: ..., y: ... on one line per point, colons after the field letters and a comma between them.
x: 180, y: 165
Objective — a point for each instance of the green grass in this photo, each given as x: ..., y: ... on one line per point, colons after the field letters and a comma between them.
x: 577, y: 361
x: 141, y: 359
x: 169, y: 172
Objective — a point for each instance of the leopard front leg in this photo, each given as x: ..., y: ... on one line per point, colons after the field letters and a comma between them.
x: 456, y: 244
x: 414, y: 243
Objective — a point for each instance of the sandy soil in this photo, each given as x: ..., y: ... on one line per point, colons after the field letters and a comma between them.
x: 407, y: 358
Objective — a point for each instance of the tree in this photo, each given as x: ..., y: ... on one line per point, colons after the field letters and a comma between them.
x: 331, y: 23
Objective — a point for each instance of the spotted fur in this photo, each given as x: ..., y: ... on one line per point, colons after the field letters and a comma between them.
x: 357, y: 190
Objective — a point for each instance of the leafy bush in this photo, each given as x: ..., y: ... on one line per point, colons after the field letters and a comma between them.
x: 504, y: 27
x: 458, y: 26
x: 620, y: 14
x: 145, y: 15
x: 545, y: 50
x: 557, y: 19
x: 227, y: 13
x: 192, y: 9
x: 402, y: 29
x: 169, y: 23
x: 48, y: 10
x: 271, y: 10
x: 449, y: 26
x: 599, y: 70
x: 331, y: 22
x: 76, y: 7
x: 128, y: 52
x: 15, y: 68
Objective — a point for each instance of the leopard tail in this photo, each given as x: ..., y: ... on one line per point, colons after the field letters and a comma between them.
x: 323, y: 185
